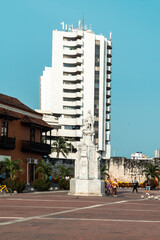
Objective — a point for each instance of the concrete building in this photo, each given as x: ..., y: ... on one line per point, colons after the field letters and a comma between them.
x: 79, y: 80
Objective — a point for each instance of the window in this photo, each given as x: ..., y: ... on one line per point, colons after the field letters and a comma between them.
x: 68, y: 127
x: 4, y: 128
x: 32, y: 135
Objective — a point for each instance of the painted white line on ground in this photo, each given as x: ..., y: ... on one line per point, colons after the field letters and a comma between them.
x: 49, y: 192
x: 103, y: 220
x: 62, y: 212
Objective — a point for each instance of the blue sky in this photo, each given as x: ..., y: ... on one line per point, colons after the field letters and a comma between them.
x: 26, y: 44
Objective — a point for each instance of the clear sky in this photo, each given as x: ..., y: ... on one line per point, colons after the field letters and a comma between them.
x: 26, y: 46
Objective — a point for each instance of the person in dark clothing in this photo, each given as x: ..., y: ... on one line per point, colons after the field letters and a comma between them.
x: 148, y: 186
x: 135, y: 185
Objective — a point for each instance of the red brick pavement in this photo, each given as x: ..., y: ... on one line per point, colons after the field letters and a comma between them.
x: 58, y: 216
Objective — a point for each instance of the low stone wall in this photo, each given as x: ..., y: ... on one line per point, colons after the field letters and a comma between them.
x: 126, y: 169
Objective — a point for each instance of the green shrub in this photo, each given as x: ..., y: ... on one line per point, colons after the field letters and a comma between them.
x: 15, y: 185
x: 63, y: 184
x: 42, y: 185
x: 55, y: 180
x: 154, y: 183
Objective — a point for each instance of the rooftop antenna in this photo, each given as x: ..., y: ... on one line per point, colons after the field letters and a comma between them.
x: 62, y: 23
x: 79, y: 24
x: 110, y: 36
x: 83, y: 21
x: 71, y: 27
x: 66, y: 27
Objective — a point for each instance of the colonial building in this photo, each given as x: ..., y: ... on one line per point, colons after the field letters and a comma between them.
x: 22, y: 135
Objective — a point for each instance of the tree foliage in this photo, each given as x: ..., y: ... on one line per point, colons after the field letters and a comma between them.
x: 45, y: 169
x: 12, y: 168
x: 61, y: 146
x: 152, y: 170
x: 63, y: 171
x: 104, y: 172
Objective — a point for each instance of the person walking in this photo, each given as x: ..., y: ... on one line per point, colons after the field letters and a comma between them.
x: 148, y: 186
x: 114, y: 187
x: 135, y: 185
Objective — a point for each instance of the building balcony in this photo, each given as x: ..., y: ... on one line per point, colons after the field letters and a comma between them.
x: 36, y: 147
x: 73, y: 43
x: 73, y: 52
x: 108, y: 109
x: 107, y: 126
x: 72, y: 86
x: 109, y: 78
x: 107, y: 136
x: 109, y: 69
x: 109, y: 86
x: 72, y: 69
x: 70, y: 121
x: 72, y: 78
x: 72, y: 103
x: 72, y: 95
x: 7, y: 143
x: 108, y: 117
x: 70, y: 133
x: 108, y: 94
x: 109, y: 45
x: 72, y: 60
x: 108, y: 103
x: 109, y: 61
x: 109, y: 53
x: 72, y: 111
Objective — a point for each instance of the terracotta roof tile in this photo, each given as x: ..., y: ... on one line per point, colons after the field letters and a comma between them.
x: 9, y: 114
x: 37, y: 122
x: 14, y: 102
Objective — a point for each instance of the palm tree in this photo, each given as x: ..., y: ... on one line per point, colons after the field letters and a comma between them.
x: 152, y: 170
x: 12, y: 168
x: 45, y: 169
x: 61, y: 146
x: 104, y: 171
x: 63, y: 171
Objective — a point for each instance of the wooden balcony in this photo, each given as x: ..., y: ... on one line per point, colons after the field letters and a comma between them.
x: 36, y: 147
x: 7, y: 143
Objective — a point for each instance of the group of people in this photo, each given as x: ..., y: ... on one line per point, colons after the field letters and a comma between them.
x: 112, y: 186
x: 148, y: 186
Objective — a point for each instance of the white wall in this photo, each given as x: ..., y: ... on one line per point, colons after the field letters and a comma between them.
x: 89, y: 72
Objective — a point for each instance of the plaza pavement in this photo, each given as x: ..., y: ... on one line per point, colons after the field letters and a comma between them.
x: 56, y: 216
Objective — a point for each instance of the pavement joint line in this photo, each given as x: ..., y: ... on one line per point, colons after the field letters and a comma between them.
x: 33, y: 207
x: 62, y: 212
x: 41, y: 200
x: 11, y: 217
x: 102, y: 219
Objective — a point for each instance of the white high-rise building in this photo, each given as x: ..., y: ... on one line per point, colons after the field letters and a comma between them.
x: 79, y: 80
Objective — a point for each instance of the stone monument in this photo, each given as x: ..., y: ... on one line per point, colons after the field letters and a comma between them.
x: 87, y: 180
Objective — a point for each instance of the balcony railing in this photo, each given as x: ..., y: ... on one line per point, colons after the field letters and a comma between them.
x: 35, y: 147
x: 7, y: 143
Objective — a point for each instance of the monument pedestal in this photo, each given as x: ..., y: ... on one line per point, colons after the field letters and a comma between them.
x: 87, y: 187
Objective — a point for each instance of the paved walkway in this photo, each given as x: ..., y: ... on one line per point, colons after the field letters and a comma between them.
x: 57, y: 215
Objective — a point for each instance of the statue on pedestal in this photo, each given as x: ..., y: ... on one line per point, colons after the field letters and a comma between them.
x: 87, y: 180
x: 88, y: 122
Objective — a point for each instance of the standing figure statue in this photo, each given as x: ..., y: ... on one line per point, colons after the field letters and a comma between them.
x: 89, y: 121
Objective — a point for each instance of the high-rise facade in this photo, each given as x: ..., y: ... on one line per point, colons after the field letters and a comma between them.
x: 79, y: 80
